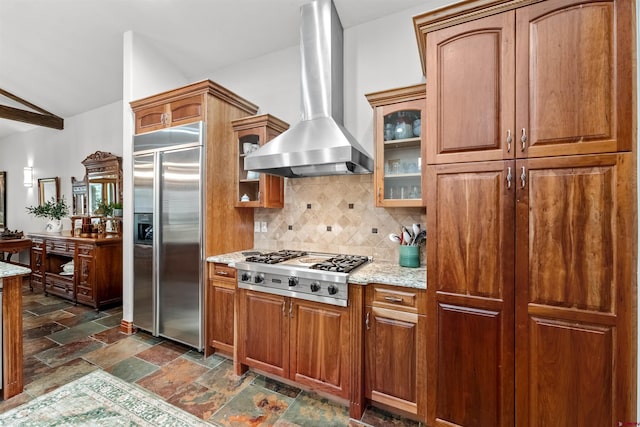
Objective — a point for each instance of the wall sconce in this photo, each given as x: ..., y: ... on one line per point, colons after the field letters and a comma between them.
x: 28, y: 176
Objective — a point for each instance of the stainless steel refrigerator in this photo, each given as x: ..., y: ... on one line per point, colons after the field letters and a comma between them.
x: 168, y: 250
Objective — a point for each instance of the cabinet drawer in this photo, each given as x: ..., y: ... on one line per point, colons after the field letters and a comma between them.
x: 59, y: 286
x: 84, y: 249
x: 397, y: 298
x: 37, y: 243
x: 84, y: 294
x: 222, y: 272
x: 61, y: 247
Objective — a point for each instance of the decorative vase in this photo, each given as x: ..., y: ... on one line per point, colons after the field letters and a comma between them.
x: 117, y: 212
x: 54, y: 226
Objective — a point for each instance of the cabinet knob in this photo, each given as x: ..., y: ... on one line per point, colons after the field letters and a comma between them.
x: 509, y: 177
x: 523, y: 177
x: 509, y: 140
x: 523, y: 138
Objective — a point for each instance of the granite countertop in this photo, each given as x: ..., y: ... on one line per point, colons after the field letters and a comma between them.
x: 8, y: 270
x: 383, y: 272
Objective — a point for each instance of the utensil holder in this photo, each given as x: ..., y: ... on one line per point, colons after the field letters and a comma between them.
x: 409, y: 256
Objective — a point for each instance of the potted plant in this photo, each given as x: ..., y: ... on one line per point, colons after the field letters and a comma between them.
x: 54, y: 210
x: 103, y: 208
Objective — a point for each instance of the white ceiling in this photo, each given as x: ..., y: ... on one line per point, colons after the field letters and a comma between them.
x: 65, y: 56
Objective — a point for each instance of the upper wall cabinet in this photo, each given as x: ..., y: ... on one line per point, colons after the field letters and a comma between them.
x: 397, y: 124
x: 542, y: 83
x: 258, y: 190
x: 174, y: 113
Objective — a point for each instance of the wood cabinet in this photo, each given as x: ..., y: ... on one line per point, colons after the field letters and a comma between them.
x: 96, y: 278
x: 255, y: 189
x: 220, y: 308
x: 524, y: 279
x: 575, y: 283
x: 398, y: 115
x: 539, y: 86
x: 396, y: 350
x: 173, y: 113
x: 532, y: 251
x: 295, y: 339
x: 12, y: 336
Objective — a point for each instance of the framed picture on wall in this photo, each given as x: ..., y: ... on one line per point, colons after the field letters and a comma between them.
x: 48, y: 188
x: 3, y: 199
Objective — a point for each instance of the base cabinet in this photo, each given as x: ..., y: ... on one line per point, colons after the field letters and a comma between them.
x: 395, y: 355
x: 294, y: 339
x: 219, y: 314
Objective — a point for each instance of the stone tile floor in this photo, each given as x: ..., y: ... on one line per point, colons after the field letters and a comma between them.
x: 63, y: 342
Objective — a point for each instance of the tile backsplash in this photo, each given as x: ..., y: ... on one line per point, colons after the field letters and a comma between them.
x: 335, y: 214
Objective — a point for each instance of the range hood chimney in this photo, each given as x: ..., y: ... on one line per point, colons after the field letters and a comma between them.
x: 319, y: 144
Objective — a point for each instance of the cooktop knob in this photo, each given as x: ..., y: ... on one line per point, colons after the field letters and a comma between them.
x: 315, y: 286
x: 259, y: 278
x: 293, y: 281
x: 333, y: 289
x: 246, y: 277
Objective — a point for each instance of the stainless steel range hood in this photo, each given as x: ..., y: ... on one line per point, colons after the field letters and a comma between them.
x: 319, y: 144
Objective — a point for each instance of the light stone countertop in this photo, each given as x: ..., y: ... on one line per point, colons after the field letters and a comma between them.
x: 383, y: 272
x: 8, y: 270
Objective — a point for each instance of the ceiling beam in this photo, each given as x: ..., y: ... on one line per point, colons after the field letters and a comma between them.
x: 42, y: 118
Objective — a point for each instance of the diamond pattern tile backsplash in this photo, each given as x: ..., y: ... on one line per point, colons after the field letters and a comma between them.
x: 335, y: 214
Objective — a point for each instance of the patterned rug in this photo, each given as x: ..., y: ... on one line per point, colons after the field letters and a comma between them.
x: 98, y: 399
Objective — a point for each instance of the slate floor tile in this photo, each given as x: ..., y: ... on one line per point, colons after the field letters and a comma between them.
x: 114, y: 353
x: 132, y: 369
x: 76, y: 332
x: 171, y: 377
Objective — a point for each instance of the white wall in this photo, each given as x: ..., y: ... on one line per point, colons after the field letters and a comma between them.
x: 55, y: 153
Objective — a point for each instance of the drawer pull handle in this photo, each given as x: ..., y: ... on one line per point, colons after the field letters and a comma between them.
x: 367, y: 321
x: 393, y: 299
x: 222, y: 273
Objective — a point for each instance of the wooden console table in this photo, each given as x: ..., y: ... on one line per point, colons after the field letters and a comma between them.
x: 13, y: 246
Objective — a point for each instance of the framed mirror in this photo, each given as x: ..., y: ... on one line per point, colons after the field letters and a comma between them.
x: 79, y: 192
x: 48, y: 188
x: 3, y: 199
x: 104, y: 180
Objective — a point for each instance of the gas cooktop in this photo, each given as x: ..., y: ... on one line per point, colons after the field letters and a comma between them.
x: 313, y: 276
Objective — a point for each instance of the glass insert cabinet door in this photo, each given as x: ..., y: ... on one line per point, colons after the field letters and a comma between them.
x: 398, y: 118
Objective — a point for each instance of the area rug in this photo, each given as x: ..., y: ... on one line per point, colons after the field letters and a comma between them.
x: 98, y: 399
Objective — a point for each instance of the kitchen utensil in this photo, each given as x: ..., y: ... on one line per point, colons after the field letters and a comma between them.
x: 416, y: 231
x: 395, y: 238
x: 406, y: 236
x: 420, y: 237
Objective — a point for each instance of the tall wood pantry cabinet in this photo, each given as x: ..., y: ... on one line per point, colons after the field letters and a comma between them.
x: 531, y: 189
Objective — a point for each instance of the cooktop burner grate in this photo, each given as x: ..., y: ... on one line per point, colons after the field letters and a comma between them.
x: 341, y: 263
x: 275, y: 257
